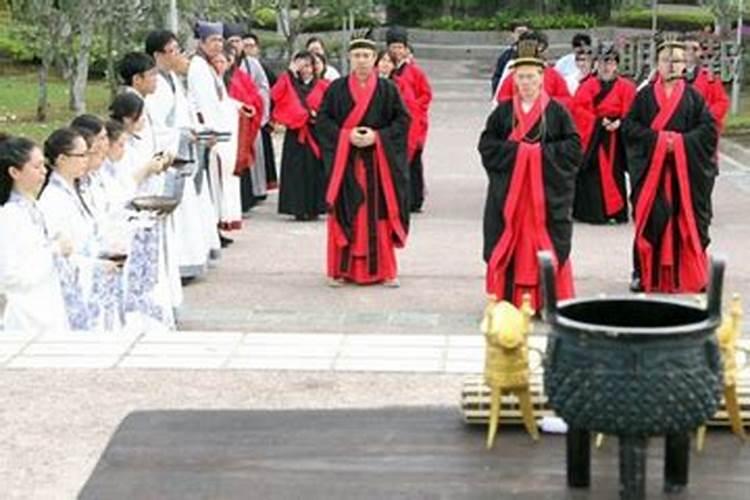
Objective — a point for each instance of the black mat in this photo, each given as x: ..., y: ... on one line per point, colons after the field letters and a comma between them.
x: 425, y: 453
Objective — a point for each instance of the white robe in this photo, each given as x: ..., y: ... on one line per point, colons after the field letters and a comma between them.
x: 28, y: 276
x: 216, y: 111
x: 193, y: 220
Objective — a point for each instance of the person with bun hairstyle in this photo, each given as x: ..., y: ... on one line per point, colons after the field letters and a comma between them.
x: 29, y: 277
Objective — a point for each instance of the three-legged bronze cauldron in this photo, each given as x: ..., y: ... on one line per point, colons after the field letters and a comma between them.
x: 633, y: 367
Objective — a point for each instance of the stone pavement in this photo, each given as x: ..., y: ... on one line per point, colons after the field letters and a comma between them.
x: 272, y: 278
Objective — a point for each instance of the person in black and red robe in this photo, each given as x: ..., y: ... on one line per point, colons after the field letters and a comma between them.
x: 670, y: 140
x: 707, y: 84
x: 554, y: 84
x: 600, y: 105
x: 362, y: 127
x: 531, y: 152
x: 417, y: 94
x: 297, y: 97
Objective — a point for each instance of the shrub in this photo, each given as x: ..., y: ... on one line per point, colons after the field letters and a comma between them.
x: 668, y: 21
x: 504, y: 21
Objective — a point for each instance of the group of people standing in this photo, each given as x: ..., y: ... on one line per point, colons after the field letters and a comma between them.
x: 197, y: 131
x: 571, y: 142
x: 104, y: 223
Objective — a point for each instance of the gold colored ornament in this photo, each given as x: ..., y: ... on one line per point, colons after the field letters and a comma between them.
x: 506, y: 367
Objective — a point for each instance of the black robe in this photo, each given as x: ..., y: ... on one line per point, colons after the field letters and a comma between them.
x: 387, y: 115
x: 694, y: 121
x: 561, y: 156
x: 302, y: 186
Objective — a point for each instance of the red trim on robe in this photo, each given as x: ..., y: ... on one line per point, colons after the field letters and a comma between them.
x: 243, y: 89
x: 417, y: 95
x: 692, y: 267
x: 586, y: 113
x: 390, y: 231
x: 714, y: 94
x: 525, y: 215
x: 290, y: 111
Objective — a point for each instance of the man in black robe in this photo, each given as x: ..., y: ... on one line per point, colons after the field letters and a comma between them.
x: 362, y: 127
x: 670, y: 140
x: 531, y: 151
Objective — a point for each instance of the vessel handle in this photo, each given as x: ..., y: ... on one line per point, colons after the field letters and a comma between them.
x: 549, y: 287
x: 715, y: 286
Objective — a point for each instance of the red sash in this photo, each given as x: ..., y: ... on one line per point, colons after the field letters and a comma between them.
x: 525, y: 231
x: 362, y: 97
x: 243, y: 89
x: 293, y: 112
x: 693, y: 265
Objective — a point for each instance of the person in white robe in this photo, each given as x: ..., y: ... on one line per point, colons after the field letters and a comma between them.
x: 139, y: 72
x: 566, y: 65
x: 216, y: 118
x: 584, y: 60
x: 68, y: 217
x: 29, y: 277
x: 168, y: 106
x: 148, y: 299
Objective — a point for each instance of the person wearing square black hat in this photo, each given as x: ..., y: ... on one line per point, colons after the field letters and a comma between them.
x: 531, y: 151
x: 670, y: 140
x: 412, y: 81
x: 362, y: 129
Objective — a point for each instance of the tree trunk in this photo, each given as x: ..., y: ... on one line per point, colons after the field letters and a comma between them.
x: 41, y: 103
x: 111, y: 76
x: 80, y: 75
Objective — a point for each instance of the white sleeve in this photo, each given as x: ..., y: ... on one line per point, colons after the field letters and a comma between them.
x: 258, y: 74
x: 202, y: 93
x: 160, y: 105
x: 24, y: 257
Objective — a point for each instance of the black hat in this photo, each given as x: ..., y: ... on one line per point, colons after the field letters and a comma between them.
x: 528, y: 54
x: 396, y: 34
x: 234, y: 29
x: 205, y: 29
x: 609, y: 51
x: 363, y: 40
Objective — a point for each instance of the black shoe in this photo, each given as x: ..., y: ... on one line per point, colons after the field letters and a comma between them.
x: 186, y: 280
x: 635, y: 285
x: 225, y: 242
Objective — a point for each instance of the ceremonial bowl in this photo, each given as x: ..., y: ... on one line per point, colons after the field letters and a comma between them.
x: 160, y: 204
x: 635, y: 367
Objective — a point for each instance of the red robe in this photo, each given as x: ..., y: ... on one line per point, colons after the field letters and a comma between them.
x: 242, y: 88
x: 554, y: 86
x: 524, y: 203
x: 364, y: 253
x: 417, y: 95
x: 294, y: 112
x: 685, y: 271
x: 590, y: 106
x: 714, y: 94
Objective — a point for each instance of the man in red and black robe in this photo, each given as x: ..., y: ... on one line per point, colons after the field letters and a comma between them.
x: 670, y: 137
x: 297, y: 97
x: 600, y: 105
x: 531, y: 151
x: 554, y: 84
x: 703, y: 80
x: 413, y: 82
x: 362, y: 128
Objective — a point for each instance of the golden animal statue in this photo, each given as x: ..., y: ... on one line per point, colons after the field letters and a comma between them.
x: 506, y: 366
x: 728, y: 333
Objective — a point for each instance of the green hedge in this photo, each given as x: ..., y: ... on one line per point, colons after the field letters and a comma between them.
x: 504, y: 21
x: 265, y: 18
x: 669, y: 21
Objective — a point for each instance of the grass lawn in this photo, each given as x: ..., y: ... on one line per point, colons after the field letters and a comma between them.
x: 18, y: 99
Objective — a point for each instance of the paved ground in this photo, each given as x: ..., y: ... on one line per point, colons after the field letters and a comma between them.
x: 54, y: 423
x: 272, y: 278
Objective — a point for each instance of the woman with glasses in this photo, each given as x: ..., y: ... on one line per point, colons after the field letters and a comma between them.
x: 70, y: 217
x: 29, y: 276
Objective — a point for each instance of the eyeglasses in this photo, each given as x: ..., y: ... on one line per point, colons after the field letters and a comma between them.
x: 77, y: 155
